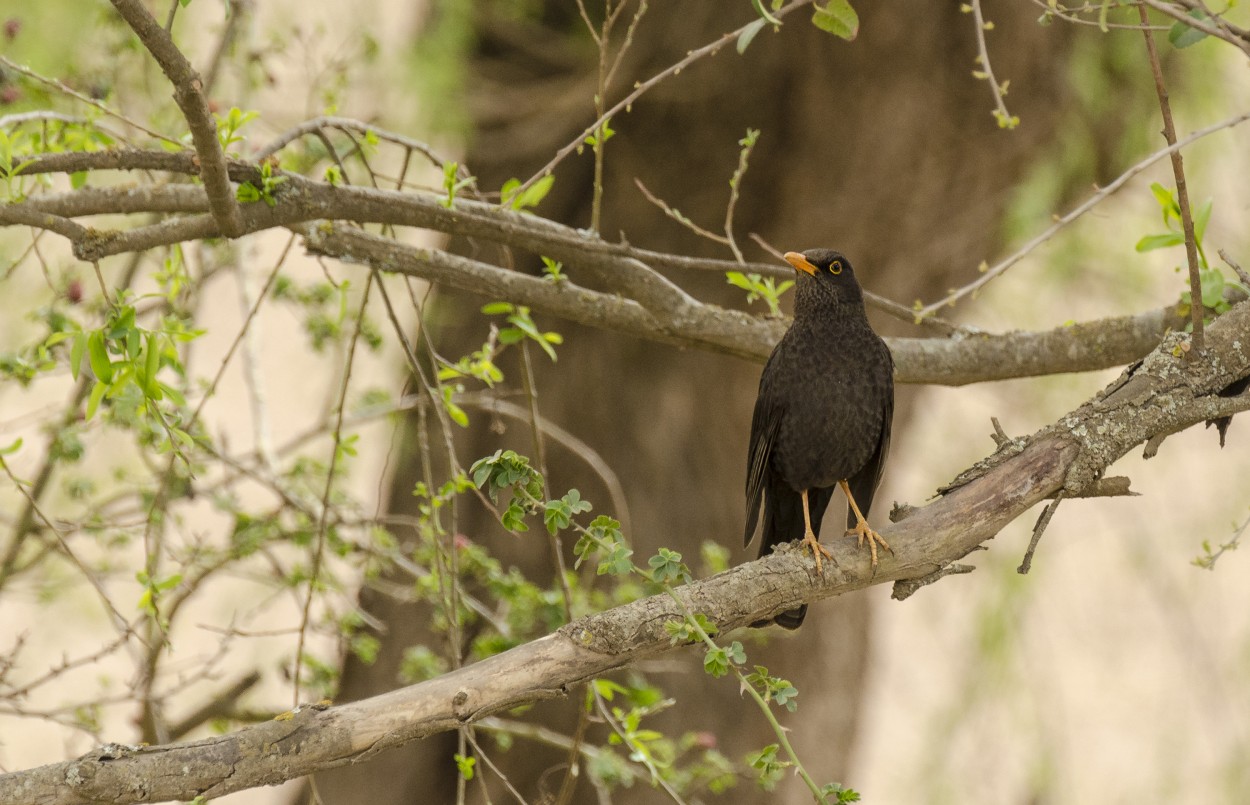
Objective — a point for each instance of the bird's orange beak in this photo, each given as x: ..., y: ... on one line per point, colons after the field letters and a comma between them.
x: 800, y: 263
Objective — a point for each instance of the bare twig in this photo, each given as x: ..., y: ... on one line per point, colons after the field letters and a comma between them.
x: 1039, y: 528
x: 1242, y: 274
x: 1196, y: 309
x: 677, y: 216
x: 323, y: 520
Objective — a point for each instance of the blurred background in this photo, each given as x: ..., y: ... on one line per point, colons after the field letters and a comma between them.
x: 1116, y: 671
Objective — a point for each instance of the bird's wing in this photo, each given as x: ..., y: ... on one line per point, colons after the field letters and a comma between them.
x: 765, y: 423
x: 864, y: 484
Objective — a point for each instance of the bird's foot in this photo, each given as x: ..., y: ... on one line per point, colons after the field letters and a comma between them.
x: 810, y: 540
x: 863, y: 532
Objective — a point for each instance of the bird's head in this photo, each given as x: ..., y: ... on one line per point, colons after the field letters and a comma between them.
x: 832, y: 278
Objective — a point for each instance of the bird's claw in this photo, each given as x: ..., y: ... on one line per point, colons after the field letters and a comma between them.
x: 810, y: 540
x: 862, y: 531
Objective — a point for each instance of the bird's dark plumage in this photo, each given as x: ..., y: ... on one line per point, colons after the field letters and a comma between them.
x: 824, y: 411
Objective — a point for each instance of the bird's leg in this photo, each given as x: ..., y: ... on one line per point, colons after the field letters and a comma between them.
x: 809, y: 537
x: 862, y: 530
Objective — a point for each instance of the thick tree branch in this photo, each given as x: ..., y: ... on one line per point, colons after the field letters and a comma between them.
x: 658, y: 310
x: 190, y: 98
x: 1165, y: 393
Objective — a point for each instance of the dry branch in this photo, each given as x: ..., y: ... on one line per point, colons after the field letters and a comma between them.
x: 1163, y: 394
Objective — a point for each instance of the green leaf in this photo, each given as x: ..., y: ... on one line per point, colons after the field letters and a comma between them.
x: 1152, y: 242
x: 78, y: 180
x: 838, y: 18
x: 749, y: 33
x: 496, y: 308
x: 98, y: 355
x: 765, y: 15
x: 512, y: 196
x: 1202, y: 219
x: 151, y: 365
x: 12, y: 448
x: 457, y: 414
x: 465, y: 766
x: 76, y: 352
x: 93, y: 401
x: 1167, y: 201
x: 1182, y: 35
x: 1212, y: 283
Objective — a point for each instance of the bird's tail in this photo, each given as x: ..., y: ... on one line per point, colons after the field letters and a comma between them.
x: 783, y: 522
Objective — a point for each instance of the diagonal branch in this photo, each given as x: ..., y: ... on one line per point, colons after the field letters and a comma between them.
x: 1162, y: 395
x: 189, y: 95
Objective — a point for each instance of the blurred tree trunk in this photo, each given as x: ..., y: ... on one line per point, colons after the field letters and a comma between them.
x: 884, y: 148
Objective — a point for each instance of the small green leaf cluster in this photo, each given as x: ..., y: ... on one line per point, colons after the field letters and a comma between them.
x: 688, y: 630
x: 508, y: 471
x: 773, y: 688
x: 553, y: 271
x: 717, y: 661
x: 465, y: 765
x: 758, y: 287
x: 1211, y: 278
x: 667, y: 568
x: 512, y: 196
x: 769, y: 765
x: 602, y: 133
x: 558, y: 514
x: 153, y: 589
x: 17, y: 145
x: 603, y: 538
x: 126, y: 360
x: 453, y: 183
x: 228, y: 127
x: 248, y: 192
x: 523, y: 327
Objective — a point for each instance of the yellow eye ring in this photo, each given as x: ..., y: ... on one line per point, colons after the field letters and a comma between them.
x: 835, y: 267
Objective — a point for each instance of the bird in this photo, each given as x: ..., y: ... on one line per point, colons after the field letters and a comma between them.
x: 822, y: 418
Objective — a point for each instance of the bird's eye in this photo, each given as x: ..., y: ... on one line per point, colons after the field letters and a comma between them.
x: 835, y: 267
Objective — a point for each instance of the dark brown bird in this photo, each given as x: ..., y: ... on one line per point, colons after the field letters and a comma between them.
x: 823, y: 415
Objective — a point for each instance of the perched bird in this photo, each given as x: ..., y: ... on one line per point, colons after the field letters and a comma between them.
x: 822, y: 418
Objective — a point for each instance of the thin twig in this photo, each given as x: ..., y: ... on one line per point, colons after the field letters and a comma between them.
x: 1005, y: 119
x: 991, y: 272
x: 677, y: 216
x: 735, y: 186
x: 323, y: 521
x: 1038, y: 529
x: 1241, y: 272
x: 87, y: 99
x: 1196, y: 309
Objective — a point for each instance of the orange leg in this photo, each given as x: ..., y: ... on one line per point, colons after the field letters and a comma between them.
x: 810, y: 539
x: 862, y: 530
